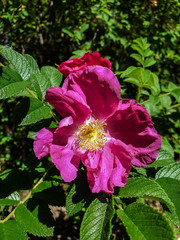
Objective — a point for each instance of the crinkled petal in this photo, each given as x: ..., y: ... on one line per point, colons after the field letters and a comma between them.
x: 113, y: 168
x: 71, y: 65
x: 65, y: 161
x: 42, y: 142
x: 68, y: 103
x: 99, y: 87
x: 132, y: 125
x: 95, y: 59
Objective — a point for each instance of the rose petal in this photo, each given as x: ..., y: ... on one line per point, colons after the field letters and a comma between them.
x: 95, y: 59
x: 71, y: 65
x: 113, y: 168
x: 99, y: 87
x: 65, y: 161
x: 132, y: 125
x: 68, y: 103
x: 42, y: 142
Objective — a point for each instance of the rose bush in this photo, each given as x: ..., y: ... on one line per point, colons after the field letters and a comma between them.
x: 106, y: 134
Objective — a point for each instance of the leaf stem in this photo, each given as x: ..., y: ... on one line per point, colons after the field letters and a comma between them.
x: 26, y: 198
x: 174, y: 106
x: 161, y: 95
x: 30, y: 92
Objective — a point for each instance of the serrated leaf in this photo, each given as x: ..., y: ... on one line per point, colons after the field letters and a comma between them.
x: 49, y: 77
x: 30, y: 111
x: 128, y: 71
x: 171, y: 171
x: 138, y: 58
x: 149, y: 62
x: 30, y: 223
x: 32, y: 63
x: 133, y: 81
x: 18, y: 62
x: 12, y: 199
x: 11, y: 230
x: 138, y: 49
x: 78, y: 196
x: 143, y: 222
x: 172, y: 188
x: 11, y: 84
x: 144, y: 188
x: 148, y: 52
x: 165, y: 155
x: 151, y: 81
x: 96, y: 223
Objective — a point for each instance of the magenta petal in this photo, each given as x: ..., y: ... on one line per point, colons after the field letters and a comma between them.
x: 100, y: 88
x: 42, y: 142
x: 68, y: 103
x: 65, y: 161
x: 132, y: 125
x: 113, y: 168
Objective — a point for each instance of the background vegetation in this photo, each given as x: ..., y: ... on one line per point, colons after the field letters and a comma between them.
x: 52, y: 31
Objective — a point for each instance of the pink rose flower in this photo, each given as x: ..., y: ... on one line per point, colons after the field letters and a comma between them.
x: 106, y: 134
x: 88, y: 59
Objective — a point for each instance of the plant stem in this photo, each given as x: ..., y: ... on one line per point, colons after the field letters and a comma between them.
x: 161, y: 95
x: 174, y: 106
x: 26, y: 198
x: 138, y: 94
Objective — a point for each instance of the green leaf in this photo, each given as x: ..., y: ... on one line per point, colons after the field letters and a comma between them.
x: 151, y: 81
x: 165, y: 101
x: 12, y: 199
x: 11, y: 84
x: 10, y: 230
x: 171, y: 171
x: 165, y: 155
x: 143, y: 222
x: 78, y: 196
x: 148, y: 52
x: 96, y: 223
x: 138, y: 58
x: 144, y: 188
x: 30, y: 111
x: 128, y: 71
x: 30, y: 223
x: 149, y: 62
x: 172, y: 188
x: 138, y: 49
x: 176, y: 94
x: 133, y: 81
x: 18, y: 62
x: 32, y: 63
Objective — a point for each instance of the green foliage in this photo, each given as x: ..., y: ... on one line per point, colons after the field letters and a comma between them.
x: 96, y: 223
x: 143, y: 222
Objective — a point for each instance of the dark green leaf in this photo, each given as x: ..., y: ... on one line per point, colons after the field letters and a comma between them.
x: 144, y: 188
x: 149, y: 62
x: 12, y: 199
x: 10, y: 230
x: 171, y: 171
x: 96, y: 223
x: 11, y: 84
x: 18, y: 62
x: 30, y: 223
x: 172, y: 188
x: 138, y: 58
x: 78, y: 196
x: 30, y: 111
x: 143, y: 222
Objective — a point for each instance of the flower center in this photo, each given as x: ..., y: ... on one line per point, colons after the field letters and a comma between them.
x: 91, y: 136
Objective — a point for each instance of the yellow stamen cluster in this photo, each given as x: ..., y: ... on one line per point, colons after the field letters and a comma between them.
x: 91, y: 136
